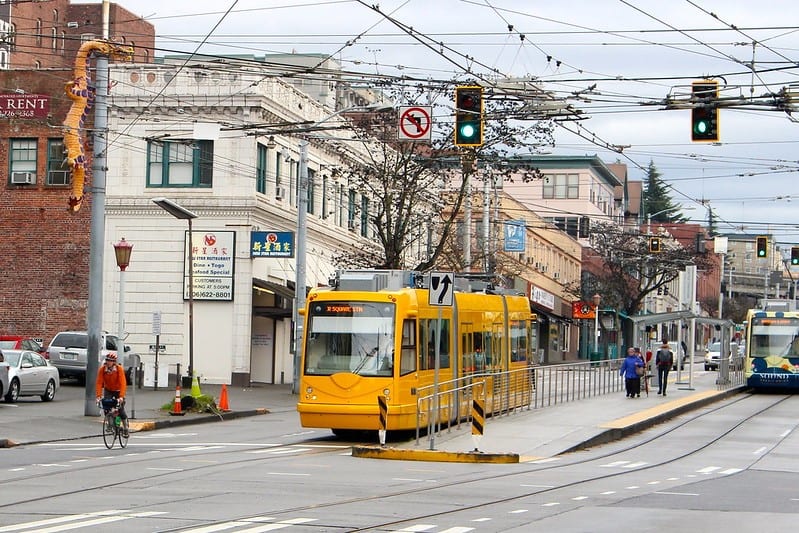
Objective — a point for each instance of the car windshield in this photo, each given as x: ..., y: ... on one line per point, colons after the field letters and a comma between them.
x: 12, y: 358
x: 715, y: 347
x: 8, y: 345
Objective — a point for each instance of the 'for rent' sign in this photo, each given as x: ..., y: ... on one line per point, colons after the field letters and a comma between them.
x: 24, y: 105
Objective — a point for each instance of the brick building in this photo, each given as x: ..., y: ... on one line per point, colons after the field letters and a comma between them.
x: 44, y: 286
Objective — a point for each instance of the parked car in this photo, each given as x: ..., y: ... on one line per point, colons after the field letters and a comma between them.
x: 679, y: 355
x: 713, y: 358
x: 67, y: 352
x: 30, y: 374
x: 18, y: 342
x: 3, y: 374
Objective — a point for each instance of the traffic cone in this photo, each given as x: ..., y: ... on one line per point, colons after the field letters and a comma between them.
x: 223, y: 403
x: 177, y: 409
x: 195, y: 387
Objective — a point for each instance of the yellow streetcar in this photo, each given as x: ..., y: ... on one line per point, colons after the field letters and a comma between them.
x: 374, y: 334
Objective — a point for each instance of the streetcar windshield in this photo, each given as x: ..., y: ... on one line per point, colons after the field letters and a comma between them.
x: 344, y: 336
x: 774, y: 336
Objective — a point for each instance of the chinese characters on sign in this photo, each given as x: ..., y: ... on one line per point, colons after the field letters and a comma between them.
x: 213, y: 254
x: 271, y: 244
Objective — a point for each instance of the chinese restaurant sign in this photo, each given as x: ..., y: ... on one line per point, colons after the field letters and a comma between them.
x: 271, y: 244
x: 213, y: 255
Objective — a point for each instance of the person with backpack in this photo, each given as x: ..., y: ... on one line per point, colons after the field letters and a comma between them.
x: 664, y: 359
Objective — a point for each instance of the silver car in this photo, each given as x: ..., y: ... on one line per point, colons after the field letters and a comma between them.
x: 29, y: 374
x: 67, y: 352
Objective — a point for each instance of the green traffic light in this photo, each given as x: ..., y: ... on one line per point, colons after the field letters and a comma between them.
x: 468, y: 131
x: 701, y: 127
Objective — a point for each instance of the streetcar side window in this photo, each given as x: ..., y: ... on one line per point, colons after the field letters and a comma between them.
x: 408, y: 354
x: 518, y: 341
x: 427, y: 346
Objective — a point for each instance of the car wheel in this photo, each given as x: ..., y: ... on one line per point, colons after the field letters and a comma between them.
x: 49, y: 392
x: 13, y: 391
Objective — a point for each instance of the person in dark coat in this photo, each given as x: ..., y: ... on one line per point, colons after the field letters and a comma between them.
x: 632, y: 381
x: 664, y: 359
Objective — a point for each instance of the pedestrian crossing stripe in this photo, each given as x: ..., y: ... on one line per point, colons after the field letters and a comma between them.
x: 68, y: 522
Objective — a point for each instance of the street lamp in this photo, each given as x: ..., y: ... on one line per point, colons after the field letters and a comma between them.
x: 182, y: 213
x: 122, y: 251
x: 302, y: 231
x: 596, y: 299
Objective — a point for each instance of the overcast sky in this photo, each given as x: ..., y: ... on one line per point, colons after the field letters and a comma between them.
x: 624, y: 57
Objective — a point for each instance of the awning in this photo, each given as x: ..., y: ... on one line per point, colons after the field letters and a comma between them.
x: 275, y: 288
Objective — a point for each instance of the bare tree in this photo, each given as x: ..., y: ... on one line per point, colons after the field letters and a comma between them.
x: 630, y: 271
x: 413, y: 192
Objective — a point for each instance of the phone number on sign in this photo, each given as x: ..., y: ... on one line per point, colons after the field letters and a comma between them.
x: 212, y: 294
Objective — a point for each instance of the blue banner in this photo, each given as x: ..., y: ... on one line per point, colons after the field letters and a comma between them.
x: 272, y: 244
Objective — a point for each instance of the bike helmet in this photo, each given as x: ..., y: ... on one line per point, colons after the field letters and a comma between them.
x: 111, y: 357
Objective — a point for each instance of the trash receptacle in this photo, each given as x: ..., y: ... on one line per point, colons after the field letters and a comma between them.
x: 595, y: 357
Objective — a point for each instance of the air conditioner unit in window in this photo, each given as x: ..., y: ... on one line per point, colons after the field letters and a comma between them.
x: 280, y: 193
x: 22, y: 178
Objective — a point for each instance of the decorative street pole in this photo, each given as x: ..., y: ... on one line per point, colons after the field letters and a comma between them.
x: 596, y: 299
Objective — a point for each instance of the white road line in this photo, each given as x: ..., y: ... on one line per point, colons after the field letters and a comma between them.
x: 632, y: 487
x: 165, y: 469
x: 278, y: 525
x: 677, y: 493
x: 537, y: 486
x: 708, y: 470
x: 785, y: 433
x: 413, y: 479
x: 654, y: 483
x: 484, y: 519
x: 416, y: 528
x: 518, y: 511
x: 636, y: 464
x: 66, y: 523
x: 614, y: 464
x: 550, y: 504
x: 759, y: 451
x: 730, y: 471
x: 285, y: 474
x: 608, y: 492
x: 578, y: 498
x: 457, y: 530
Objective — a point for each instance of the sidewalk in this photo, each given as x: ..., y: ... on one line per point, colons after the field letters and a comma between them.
x: 549, y: 431
x: 31, y: 421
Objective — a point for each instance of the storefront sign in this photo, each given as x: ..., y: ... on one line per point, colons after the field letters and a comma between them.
x: 271, y: 244
x: 542, y: 297
x: 214, y: 261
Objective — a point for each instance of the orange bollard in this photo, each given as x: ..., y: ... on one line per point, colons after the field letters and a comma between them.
x: 177, y: 409
x: 223, y: 402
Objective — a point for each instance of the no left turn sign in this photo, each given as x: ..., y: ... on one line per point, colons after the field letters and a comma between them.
x: 415, y: 123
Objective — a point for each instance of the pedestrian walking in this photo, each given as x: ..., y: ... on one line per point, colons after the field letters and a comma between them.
x: 632, y: 368
x: 664, y: 359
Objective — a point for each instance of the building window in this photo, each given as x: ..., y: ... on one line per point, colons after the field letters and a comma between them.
x: 54, y: 39
x: 561, y: 186
x: 38, y: 32
x: 58, y: 171
x: 364, y: 216
x: 180, y: 163
x: 260, y: 169
x: 278, y: 162
x: 311, y: 192
x: 63, y: 42
x: 325, y: 186
x: 351, y: 209
x: 568, y: 224
x: 22, y: 156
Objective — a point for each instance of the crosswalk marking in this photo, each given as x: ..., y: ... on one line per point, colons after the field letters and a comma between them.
x: 635, y: 465
x: 66, y: 523
x: 708, y: 469
x: 416, y: 528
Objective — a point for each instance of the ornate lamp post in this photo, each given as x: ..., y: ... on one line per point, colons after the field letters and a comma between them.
x: 122, y: 251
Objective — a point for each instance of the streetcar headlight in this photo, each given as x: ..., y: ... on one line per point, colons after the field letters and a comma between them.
x: 309, y: 390
x: 386, y: 392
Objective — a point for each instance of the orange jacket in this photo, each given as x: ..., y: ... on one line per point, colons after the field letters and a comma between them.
x: 113, y: 380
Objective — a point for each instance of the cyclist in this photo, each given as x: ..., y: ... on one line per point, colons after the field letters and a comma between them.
x: 111, y: 383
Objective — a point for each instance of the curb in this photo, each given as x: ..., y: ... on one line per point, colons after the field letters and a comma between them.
x: 620, y: 428
x: 403, y: 454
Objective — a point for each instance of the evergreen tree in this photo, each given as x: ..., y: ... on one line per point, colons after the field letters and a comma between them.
x: 712, y: 223
x: 657, y: 202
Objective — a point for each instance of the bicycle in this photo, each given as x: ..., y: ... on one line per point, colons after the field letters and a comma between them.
x: 114, y: 427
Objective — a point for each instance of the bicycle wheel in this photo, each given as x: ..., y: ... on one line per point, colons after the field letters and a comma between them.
x: 123, y: 433
x: 109, y: 431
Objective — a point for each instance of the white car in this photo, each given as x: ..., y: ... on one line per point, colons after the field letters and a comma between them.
x: 713, y: 357
x: 30, y: 374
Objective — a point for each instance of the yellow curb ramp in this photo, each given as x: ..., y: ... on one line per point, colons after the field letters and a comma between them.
x: 405, y: 454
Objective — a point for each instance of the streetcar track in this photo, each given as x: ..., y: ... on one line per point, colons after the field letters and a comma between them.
x: 167, y: 477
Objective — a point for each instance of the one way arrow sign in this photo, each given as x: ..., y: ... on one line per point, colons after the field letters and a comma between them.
x: 441, y: 288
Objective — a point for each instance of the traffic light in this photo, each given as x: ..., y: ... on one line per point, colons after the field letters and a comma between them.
x: 654, y: 245
x: 795, y: 256
x: 705, y: 111
x: 468, y: 115
x: 762, y: 247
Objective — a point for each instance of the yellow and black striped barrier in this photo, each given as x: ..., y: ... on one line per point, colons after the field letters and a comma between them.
x: 382, y: 405
x: 478, y: 421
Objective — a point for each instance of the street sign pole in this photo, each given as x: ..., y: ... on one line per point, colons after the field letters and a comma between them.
x: 440, y: 293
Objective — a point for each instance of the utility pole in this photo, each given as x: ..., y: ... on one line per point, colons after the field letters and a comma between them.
x: 97, y: 225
